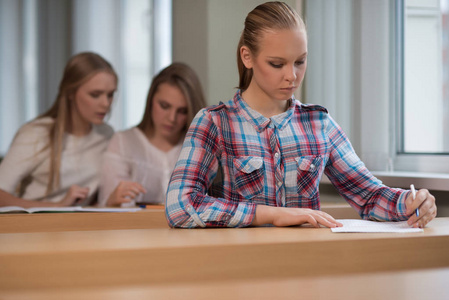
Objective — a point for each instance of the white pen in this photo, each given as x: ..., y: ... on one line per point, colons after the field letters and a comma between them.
x: 412, y: 187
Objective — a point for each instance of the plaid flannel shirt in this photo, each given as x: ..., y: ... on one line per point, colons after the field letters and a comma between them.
x: 233, y: 158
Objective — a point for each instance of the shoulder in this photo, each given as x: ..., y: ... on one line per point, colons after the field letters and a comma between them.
x: 310, y: 107
x: 128, y: 140
x: 223, y: 109
x: 36, y: 129
x: 217, y: 107
x: 212, y: 115
x: 127, y: 134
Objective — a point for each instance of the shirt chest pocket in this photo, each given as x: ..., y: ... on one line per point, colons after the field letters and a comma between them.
x: 248, y: 176
x: 308, y: 168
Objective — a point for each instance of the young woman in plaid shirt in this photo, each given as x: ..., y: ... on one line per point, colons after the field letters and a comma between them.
x: 258, y: 158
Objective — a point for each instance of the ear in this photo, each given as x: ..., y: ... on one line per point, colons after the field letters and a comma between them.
x: 246, y: 56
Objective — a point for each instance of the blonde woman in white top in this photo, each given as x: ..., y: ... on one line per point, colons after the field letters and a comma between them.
x: 54, y: 160
x: 139, y: 161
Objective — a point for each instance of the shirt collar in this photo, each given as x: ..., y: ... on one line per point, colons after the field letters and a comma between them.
x: 259, y: 121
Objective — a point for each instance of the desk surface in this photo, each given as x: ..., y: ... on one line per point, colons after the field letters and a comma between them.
x: 400, y: 285
x: 81, y: 221
x: 137, y: 257
x: 153, y: 217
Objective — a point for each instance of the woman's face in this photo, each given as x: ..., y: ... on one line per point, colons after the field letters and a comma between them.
x: 93, y: 99
x: 280, y: 65
x: 169, y: 111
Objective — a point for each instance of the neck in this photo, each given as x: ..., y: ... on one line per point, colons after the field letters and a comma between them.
x: 77, y: 126
x: 161, y: 142
x: 260, y: 102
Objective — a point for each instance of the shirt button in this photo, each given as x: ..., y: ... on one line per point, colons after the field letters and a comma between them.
x: 312, y: 167
x: 276, y: 154
x: 279, y: 183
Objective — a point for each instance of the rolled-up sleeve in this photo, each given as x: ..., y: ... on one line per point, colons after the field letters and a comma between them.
x: 187, y: 202
x: 364, y: 192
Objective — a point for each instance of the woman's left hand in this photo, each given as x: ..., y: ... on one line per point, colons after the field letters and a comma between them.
x: 125, y: 192
x: 425, y: 202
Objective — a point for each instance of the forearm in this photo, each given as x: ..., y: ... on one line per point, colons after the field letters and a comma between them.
x: 263, y: 215
x: 292, y: 216
x: 7, y: 199
x: 113, y: 199
x: 188, y: 210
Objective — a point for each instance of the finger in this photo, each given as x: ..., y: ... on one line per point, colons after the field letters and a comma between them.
x: 427, y: 217
x: 138, y: 188
x: 123, y: 200
x: 141, y: 189
x: 413, y: 203
x: 422, y: 196
x: 130, y: 194
x: 84, y: 192
x: 426, y: 207
x: 330, y: 218
x: 327, y: 222
x: 313, y: 221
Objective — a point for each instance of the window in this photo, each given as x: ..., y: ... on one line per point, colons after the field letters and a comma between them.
x: 363, y: 65
x: 422, y: 60
x: 425, y: 76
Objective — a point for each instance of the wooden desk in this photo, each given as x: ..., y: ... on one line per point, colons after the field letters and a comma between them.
x: 81, y: 221
x: 149, y: 218
x: 398, y: 285
x: 146, y: 258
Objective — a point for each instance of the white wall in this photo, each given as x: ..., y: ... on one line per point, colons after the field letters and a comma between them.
x: 205, y: 36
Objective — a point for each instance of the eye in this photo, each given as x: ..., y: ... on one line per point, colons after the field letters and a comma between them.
x: 183, y: 111
x: 95, y: 95
x: 300, y: 62
x: 164, y: 105
x: 274, y: 65
x: 111, y: 95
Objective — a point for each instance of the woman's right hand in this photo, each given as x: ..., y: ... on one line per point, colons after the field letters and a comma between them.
x: 125, y: 192
x: 290, y: 216
x: 75, y: 193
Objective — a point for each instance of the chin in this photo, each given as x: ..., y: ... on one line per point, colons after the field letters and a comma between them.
x: 97, y: 122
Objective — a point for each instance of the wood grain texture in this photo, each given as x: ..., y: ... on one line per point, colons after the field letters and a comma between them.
x: 174, y: 256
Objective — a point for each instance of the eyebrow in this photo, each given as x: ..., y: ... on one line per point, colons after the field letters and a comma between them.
x: 102, y: 91
x: 168, y: 103
x: 281, y: 58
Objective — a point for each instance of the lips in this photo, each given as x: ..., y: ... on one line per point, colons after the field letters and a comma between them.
x: 289, y: 89
x: 168, y: 127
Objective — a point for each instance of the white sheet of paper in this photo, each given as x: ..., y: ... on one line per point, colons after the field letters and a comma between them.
x: 350, y: 225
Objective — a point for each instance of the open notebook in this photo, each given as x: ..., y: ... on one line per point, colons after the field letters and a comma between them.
x: 350, y: 225
x: 7, y: 209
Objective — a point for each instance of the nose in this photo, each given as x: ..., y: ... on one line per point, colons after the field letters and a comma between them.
x: 106, y: 101
x: 172, y: 115
x: 290, y: 73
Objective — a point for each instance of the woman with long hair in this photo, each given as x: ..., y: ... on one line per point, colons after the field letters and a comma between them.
x: 54, y: 160
x: 139, y: 161
x: 258, y: 158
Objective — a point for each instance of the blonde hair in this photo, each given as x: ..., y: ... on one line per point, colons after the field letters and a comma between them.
x: 265, y: 17
x: 185, y: 79
x: 78, y: 70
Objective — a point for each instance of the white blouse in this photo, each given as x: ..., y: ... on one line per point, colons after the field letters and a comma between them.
x: 131, y: 157
x: 29, y: 155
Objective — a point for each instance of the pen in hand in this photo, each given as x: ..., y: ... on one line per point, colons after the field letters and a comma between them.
x: 412, y: 187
